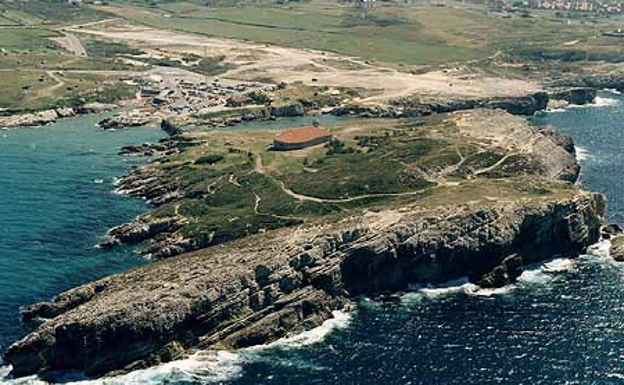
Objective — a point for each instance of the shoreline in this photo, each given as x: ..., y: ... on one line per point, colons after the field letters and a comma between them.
x: 320, y: 279
x: 314, y: 283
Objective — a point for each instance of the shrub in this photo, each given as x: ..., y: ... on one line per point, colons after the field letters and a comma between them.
x: 209, y: 159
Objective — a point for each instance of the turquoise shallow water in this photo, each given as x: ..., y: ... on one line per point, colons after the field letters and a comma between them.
x: 52, y: 211
x: 563, y: 323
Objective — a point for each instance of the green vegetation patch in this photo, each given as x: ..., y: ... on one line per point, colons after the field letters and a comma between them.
x: 53, y: 11
x: 27, y: 39
x: 346, y: 172
x: 109, y: 49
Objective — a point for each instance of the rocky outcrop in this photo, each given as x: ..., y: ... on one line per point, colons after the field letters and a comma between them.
x: 144, y: 228
x: 559, y: 161
x: 617, y: 248
x: 95, y: 108
x: 42, y: 118
x: 29, y: 120
x: 503, y: 274
x: 65, y: 112
x: 413, y: 106
x: 148, y: 183
x: 611, y: 230
x: 288, y: 111
x: 162, y: 148
x: 260, y: 288
x: 171, y: 126
x: 599, y: 81
x: 574, y: 95
x: 127, y: 119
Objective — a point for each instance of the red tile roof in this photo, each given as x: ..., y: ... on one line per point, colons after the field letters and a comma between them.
x: 301, y: 134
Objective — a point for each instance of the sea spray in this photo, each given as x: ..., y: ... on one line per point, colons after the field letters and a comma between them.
x: 582, y: 154
x: 599, y: 102
x: 201, y: 367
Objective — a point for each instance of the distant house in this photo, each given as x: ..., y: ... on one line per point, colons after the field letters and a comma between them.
x: 300, y: 137
x: 239, y: 101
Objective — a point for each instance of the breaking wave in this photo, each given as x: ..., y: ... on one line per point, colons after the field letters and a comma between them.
x: 201, y: 367
x: 600, y: 249
x: 540, y: 273
x: 599, y: 102
x: 582, y: 154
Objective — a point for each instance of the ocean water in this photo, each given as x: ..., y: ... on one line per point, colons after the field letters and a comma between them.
x: 56, y: 203
x: 562, y: 323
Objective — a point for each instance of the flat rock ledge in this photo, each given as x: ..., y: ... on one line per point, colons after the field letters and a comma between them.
x: 266, y: 286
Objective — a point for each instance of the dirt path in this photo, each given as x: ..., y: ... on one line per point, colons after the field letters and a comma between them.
x: 259, y: 168
x: 91, y: 24
x: 49, y: 91
x: 71, y: 43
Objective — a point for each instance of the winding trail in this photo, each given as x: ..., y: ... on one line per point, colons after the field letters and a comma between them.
x: 49, y: 91
x: 259, y: 168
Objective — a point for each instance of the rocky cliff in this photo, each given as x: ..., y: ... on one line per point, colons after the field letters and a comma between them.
x: 409, y: 107
x: 42, y: 118
x: 260, y: 288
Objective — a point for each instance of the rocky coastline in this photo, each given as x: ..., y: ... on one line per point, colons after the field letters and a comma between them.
x: 265, y: 286
x: 261, y: 288
x: 580, y: 92
x: 45, y: 117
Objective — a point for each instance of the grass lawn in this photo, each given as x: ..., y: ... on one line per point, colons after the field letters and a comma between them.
x: 36, y: 90
x: 411, y: 35
x: 50, y: 12
x: 226, y: 195
x: 383, y: 34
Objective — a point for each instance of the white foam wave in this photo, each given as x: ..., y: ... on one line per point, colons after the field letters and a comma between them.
x: 433, y: 291
x: 612, y: 91
x: 582, y: 154
x: 558, y: 265
x: 543, y: 273
x: 203, y: 366
x: 600, y: 249
x: 550, y: 110
x: 480, y: 292
x: 452, y: 287
x: 340, y: 320
x: 605, y: 102
x: 599, y: 102
x: 535, y: 274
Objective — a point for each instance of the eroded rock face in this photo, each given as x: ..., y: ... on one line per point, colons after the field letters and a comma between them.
x: 260, y: 288
x: 507, y: 272
x: 574, y: 95
x: 617, y: 248
x: 416, y: 106
x: 135, y: 118
x: 145, y: 228
x: 29, y: 120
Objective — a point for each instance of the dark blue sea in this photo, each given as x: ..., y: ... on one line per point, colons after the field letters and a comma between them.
x: 562, y: 323
x: 56, y: 203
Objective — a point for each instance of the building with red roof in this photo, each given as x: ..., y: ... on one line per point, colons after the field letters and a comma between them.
x: 301, y: 137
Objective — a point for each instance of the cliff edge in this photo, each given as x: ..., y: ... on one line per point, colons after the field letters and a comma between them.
x: 260, y: 288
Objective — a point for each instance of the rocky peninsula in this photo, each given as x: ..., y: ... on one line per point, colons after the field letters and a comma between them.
x: 261, y: 288
x: 480, y: 193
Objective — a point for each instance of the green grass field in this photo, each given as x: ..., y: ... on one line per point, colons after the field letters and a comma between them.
x: 381, y: 163
x: 49, y: 12
x: 418, y: 35
x: 37, y: 90
x: 383, y: 34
